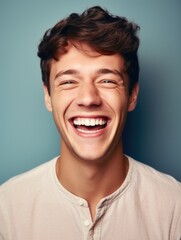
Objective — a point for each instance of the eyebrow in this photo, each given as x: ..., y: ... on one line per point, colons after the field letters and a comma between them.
x: 99, y: 72
x: 67, y: 72
x: 110, y: 71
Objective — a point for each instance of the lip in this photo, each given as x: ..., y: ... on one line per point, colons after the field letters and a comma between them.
x: 90, y: 134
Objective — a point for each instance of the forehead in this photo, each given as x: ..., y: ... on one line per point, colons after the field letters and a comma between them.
x: 84, y: 58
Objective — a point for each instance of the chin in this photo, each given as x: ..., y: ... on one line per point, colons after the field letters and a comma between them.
x: 91, y: 158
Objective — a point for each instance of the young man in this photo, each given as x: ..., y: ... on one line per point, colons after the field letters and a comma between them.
x: 92, y: 190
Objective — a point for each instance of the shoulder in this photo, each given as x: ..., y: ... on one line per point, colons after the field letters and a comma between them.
x: 24, y: 182
x: 157, y: 197
x: 154, y: 181
x: 159, y: 194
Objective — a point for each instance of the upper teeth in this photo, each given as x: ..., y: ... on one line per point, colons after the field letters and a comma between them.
x: 89, y: 121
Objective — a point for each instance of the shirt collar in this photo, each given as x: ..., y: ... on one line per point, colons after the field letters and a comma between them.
x: 105, y: 201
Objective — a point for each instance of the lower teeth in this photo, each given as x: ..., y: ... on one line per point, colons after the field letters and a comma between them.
x: 87, y: 131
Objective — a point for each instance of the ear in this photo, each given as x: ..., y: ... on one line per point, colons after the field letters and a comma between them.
x: 47, y: 97
x: 133, y: 98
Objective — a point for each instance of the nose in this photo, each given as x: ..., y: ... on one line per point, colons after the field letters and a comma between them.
x: 88, y: 96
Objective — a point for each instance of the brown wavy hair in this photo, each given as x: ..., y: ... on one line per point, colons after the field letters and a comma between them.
x: 106, y: 33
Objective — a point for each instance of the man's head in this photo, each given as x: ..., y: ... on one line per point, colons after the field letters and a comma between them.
x: 90, y: 72
x: 105, y: 33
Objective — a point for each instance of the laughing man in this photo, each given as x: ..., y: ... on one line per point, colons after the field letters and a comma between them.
x: 90, y: 72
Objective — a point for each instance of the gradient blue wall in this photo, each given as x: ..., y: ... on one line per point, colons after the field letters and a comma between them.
x: 28, y: 136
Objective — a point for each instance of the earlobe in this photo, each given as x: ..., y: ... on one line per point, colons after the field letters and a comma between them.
x: 133, y: 98
x: 47, y: 97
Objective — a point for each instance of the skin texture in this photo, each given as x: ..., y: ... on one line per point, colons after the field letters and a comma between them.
x: 87, y: 85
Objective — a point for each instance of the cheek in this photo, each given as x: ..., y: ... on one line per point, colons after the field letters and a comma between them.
x: 60, y: 105
x: 117, y: 100
x: 60, y: 101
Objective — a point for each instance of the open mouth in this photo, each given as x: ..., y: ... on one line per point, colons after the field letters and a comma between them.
x: 90, y: 125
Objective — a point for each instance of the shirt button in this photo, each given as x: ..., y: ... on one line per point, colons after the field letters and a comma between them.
x: 81, y: 203
x: 86, y: 223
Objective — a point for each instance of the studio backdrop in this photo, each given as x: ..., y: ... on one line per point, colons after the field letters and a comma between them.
x: 28, y: 136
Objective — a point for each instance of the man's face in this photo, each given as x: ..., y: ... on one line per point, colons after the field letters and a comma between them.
x: 89, y: 99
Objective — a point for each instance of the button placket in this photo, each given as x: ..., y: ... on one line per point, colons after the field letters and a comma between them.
x: 92, y: 230
x: 97, y: 225
x: 85, y: 218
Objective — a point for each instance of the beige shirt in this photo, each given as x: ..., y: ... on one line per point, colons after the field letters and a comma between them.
x: 34, y: 206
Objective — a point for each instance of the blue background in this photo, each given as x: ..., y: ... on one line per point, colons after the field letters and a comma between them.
x: 28, y: 135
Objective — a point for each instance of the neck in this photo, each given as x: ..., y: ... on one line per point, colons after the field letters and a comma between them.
x: 92, y: 180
